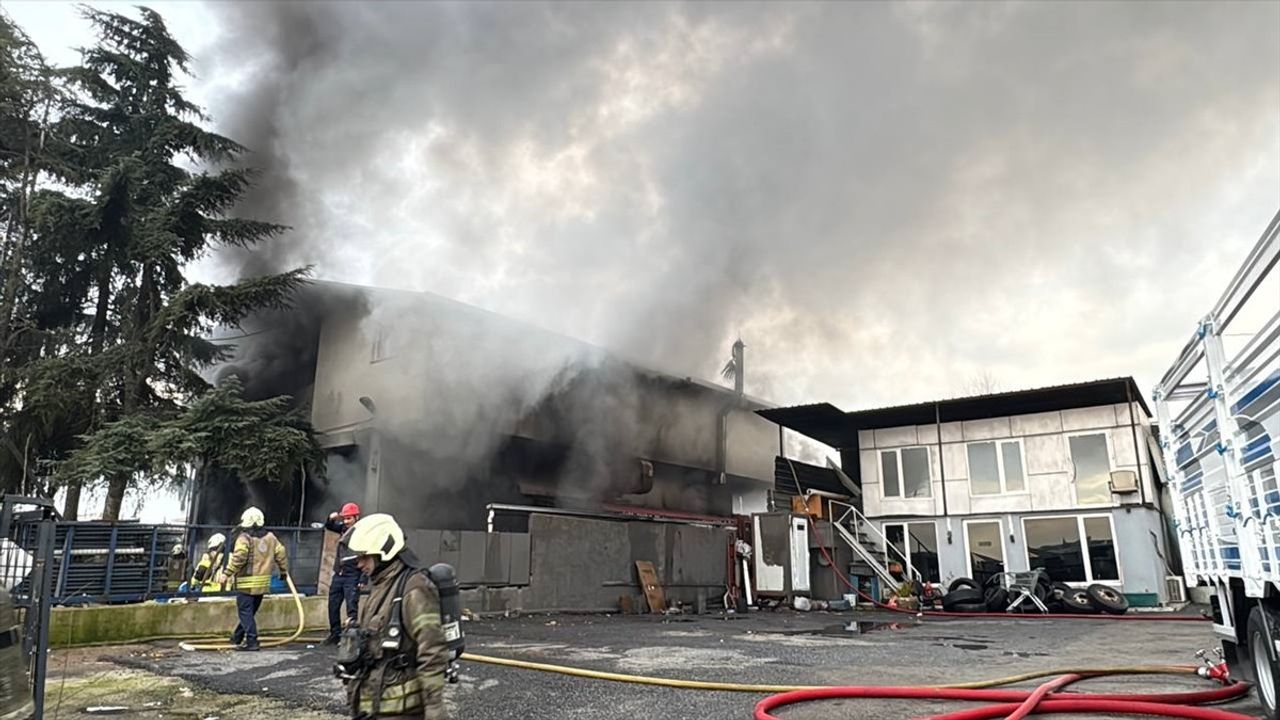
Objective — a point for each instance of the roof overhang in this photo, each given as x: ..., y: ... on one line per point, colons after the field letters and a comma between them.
x: 828, y: 424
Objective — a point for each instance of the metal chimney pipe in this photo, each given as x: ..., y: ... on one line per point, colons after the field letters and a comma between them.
x: 739, y: 375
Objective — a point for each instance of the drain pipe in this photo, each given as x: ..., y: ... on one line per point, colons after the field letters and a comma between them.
x: 942, y: 468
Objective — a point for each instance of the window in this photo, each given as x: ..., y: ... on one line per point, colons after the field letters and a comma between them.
x: 985, y: 543
x: 921, y: 550
x: 905, y: 473
x: 1055, y: 545
x: 1091, y: 461
x: 996, y: 467
x: 382, y: 345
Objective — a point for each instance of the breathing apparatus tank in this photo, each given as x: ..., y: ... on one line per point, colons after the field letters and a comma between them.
x: 446, y: 581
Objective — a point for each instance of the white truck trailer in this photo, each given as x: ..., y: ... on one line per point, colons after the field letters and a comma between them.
x: 1219, y: 412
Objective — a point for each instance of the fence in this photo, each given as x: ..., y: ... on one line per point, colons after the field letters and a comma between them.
x: 99, y: 562
x: 27, y: 529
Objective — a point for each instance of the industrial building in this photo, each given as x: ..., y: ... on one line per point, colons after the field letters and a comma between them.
x: 435, y: 410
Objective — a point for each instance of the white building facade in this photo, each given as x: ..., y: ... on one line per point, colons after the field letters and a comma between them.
x: 1059, y: 478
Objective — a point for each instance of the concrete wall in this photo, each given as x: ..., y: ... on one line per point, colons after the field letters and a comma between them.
x: 585, y: 564
x: 1046, y: 455
x: 120, y: 624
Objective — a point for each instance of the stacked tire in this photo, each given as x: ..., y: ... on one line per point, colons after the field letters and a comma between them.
x: 966, y: 595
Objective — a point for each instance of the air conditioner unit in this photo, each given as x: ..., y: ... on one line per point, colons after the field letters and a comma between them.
x: 1124, y: 481
x: 1176, y: 588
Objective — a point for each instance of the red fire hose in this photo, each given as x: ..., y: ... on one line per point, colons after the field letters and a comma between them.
x: 1013, y: 704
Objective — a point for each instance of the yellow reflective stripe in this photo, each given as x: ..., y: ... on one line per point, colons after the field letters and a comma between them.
x: 425, y: 621
x: 395, y: 697
x: 253, y: 581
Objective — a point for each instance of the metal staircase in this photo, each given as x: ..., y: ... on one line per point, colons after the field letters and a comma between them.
x: 856, y: 531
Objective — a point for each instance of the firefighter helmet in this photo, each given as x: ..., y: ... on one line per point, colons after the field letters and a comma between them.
x: 378, y: 534
x: 350, y: 510
x: 251, y: 518
x: 216, y: 541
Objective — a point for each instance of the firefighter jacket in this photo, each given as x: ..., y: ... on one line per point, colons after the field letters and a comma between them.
x: 249, y: 569
x: 411, y: 679
x: 205, y: 577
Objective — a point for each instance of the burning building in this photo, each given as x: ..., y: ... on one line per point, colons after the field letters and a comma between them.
x: 435, y: 410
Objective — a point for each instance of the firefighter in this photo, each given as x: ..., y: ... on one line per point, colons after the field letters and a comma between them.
x: 204, y: 579
x: 402, y: 648
x: 249, y: 572
x: 347, y: 580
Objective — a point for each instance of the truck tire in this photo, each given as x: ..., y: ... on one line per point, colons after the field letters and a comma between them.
x: 997, y: 599
x: 962, y: 596
x: 1078, y: 601
x: 1262, y: 654
x: 1108, y: 599
x: 975, y: 607
x: 963, y: 582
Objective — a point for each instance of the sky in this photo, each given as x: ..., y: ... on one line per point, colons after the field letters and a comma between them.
x: 884, y: 201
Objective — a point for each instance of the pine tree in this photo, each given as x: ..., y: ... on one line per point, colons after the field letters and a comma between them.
x: 152, y: 216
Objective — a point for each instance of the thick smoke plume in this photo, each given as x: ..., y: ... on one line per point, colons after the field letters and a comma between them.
x: 881, y: 198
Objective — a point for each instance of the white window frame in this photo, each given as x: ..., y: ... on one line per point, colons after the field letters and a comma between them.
x: 381, y: 348
x: 1004, y: 542
x: 1084, y: 546
x: 902, y: 479
x: 906, y: 540
x: 1111, y: 464
x: 1004, y: 485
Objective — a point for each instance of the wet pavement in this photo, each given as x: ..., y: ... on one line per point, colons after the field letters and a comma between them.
x: 772, y: 648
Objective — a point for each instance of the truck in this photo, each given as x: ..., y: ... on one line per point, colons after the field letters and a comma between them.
x: 1218, y: 409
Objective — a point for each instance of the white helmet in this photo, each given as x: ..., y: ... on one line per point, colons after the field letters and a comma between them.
x: 378, y: 534
x: 216, y: 541
x: 252, y: 517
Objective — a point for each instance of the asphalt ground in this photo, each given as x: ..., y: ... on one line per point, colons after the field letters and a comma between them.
x: 764, y: 647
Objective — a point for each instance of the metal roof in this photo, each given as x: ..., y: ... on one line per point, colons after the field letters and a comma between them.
x: 828, y: 424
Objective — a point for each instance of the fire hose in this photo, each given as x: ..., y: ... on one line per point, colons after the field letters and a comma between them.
x: 1010, y: 704
x: 1016, y: 704
x: 302, y: 621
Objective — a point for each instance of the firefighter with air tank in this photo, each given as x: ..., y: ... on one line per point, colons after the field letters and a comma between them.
x: 397, y: 659
x: 249, y: 574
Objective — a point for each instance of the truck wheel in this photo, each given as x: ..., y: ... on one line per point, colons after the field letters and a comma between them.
x: 1108, y: 599
x: 1078, y: 601
x: 1262, y: 653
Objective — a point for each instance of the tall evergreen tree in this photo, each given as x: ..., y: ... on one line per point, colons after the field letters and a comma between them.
x: 152, y: 215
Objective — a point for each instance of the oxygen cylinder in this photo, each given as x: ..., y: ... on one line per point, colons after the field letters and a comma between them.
x: 446, y: 582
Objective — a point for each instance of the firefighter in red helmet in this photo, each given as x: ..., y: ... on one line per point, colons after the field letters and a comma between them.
x: 347, y: 579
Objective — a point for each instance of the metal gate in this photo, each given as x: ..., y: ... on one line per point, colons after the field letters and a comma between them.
x: 27, y: 528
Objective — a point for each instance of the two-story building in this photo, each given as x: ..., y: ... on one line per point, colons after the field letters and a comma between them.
x: 1063, y: 478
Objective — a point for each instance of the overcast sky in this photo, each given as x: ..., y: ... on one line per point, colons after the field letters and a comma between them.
x: 882, y: 200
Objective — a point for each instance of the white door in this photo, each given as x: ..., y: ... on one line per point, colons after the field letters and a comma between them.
x: 984, y: 548
x: 799, y: 555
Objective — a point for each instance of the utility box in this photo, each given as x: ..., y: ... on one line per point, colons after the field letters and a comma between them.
x: 781, y: 554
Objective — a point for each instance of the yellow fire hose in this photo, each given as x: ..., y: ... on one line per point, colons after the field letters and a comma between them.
x: 302, y: 621
x: 775, y: 689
